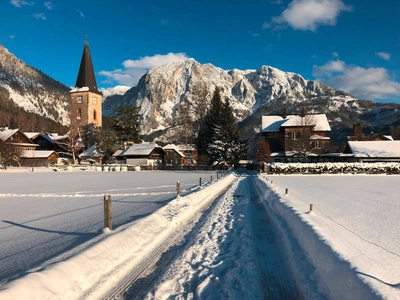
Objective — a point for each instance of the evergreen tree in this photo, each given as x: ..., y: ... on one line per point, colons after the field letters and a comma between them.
x: 107, y: 141
x: 207, y: 125
x: 229, y: 122
x: 126, y: 124
x: 224, y: 150
x: 124, y: 129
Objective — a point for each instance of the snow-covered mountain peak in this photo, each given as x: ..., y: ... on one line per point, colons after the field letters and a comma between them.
x: 117, y: 90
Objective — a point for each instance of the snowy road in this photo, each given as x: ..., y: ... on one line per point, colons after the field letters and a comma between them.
x: 231, y: 253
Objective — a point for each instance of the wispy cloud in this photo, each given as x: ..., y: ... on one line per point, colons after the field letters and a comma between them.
x: 335, y: 54
x: 254, y: 34
x: 266, y: 25
x: 384, y: 55
x: 40, y: 16
x: 309, y: 14
x: 49, y: 5
x: 80, y: 13
x: 366, y: 83
x: 134, y: 69
x: 20, y: 3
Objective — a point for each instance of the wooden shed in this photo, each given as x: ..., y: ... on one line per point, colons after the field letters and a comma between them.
x: 38, y: 158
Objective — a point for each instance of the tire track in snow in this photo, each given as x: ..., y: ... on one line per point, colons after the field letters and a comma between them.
x: 231, y: 254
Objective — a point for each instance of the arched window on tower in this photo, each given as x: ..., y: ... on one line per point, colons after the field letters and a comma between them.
x: 94, y: 115
x: 79, y: 114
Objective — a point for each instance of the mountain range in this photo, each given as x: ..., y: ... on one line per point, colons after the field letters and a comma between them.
x: 161, y: 91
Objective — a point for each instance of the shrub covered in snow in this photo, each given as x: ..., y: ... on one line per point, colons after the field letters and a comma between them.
x: 335, y: 168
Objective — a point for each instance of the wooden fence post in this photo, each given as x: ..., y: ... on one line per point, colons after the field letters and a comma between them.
x: 178, y: 188
x: 286, y: 191
x: 211, y: 178
x: 311, y: 207
x: 107, y: 212
x: 200, y: 182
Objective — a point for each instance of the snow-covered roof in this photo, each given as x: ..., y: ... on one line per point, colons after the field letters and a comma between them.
x: 274, y: 123
x: 375, y: 148
x: 5, y: 134
x: 174, y: 147
x: 141, y: 149
x: 92, y: 151
x: 319, y: 137
x: 31, y: 135
x: 186, y: 147
x: 36, y: 153
x: 79, y: 89
x: 389, y: 137
x: 118, y: 152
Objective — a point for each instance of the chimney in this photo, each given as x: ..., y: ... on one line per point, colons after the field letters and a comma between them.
x: 302, y: 112
x: 284, y: 115
x: 357, y: 131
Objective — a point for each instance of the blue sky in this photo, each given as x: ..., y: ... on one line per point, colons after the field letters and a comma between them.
x: 352, y: 45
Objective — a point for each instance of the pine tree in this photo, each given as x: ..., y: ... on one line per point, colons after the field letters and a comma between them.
x: 126, y: 123
x: 210, y: 120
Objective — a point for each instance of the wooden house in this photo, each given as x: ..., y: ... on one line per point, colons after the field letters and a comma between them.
x: 147, y: 154
x: 92, y: 155
x: 174, y: 158
x: 38, y: 158
x: 50, y: 141
x: 12, y: 143
x: 190, y: 153
x: 289, y: 136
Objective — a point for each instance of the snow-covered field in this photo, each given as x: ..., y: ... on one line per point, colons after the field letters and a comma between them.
x: 358, y: 216
x: 52, y: 245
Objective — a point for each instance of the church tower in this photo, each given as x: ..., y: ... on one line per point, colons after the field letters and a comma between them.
x: 86, y: 99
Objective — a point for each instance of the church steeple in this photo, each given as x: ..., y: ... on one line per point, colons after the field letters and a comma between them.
x: 86, y: 100
x: 86, y: 76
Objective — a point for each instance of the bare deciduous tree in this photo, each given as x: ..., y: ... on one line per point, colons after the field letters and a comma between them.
x: 302, y: 142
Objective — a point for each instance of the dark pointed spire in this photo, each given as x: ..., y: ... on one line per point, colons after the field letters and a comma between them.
x: 86, y: 76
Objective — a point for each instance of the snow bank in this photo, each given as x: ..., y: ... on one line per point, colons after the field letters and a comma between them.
x: 98, y: 269
x: 317, y: 269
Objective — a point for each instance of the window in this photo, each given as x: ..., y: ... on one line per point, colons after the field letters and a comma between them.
x: 79, y: 99
x: 317, y: 144
x: 79, y: 114
x: 295, y: 135
x: 94, y: 115
x: 94, y: 101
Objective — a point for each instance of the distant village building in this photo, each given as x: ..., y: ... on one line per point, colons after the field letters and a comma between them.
x: 16, y: 140
x: 86, y: 100
x: 288, y: 135
x: 92, y: 155
x: 373, y: 151
x: 146, y: 155
x: 174, y: 157
x: 38, y: 158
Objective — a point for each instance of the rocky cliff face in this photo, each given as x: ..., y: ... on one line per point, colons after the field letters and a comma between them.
x: 161, y: 90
